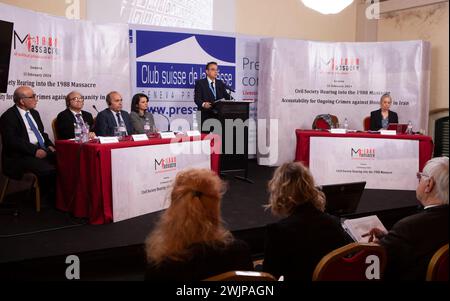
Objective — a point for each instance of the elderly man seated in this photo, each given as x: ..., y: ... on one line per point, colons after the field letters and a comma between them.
x: 413, y: 240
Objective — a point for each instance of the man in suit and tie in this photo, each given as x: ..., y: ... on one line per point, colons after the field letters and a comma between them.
x: 25, y: 145
x: 73, y: 114
x: 207, y: 91
x: 111, y: 117
x: 413, y: 240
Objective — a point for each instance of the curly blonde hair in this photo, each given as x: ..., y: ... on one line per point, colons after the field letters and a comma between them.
x: 292, y: 185
x: 192, y: 217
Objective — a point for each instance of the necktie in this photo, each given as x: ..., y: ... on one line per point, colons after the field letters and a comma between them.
x: 119, y: 119
x: 213, y: 90
x: 35, y: 130
x: 79, y: 120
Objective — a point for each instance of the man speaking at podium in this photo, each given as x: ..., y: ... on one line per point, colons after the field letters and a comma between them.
x: 207, y: 91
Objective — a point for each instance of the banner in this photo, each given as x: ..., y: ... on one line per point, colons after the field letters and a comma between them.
x: 302, y: 79
x: 382, y: 163
x: 142, y: 176
x: 166, y: 62
x: 55, y: 56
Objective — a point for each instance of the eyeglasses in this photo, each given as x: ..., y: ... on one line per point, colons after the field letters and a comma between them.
x: 78, y: 99
x: 29, y: 97
x: 421, y: 175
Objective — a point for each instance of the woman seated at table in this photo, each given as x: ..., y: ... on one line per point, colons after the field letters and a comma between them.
x: 139, y: 114
x: 295, y: 244
x: 189, y: 243
x: 381, y: 118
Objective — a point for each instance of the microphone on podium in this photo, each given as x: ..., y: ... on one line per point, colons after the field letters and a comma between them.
x: 95, y: 108
x: 229, y: 90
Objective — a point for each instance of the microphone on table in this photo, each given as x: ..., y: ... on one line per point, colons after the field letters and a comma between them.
x: 168, y: 121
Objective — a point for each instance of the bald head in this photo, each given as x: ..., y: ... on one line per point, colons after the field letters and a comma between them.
x: 114, y: 101
x: 25, y: 98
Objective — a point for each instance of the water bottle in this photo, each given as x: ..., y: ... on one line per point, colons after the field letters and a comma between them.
x: 409, y: 129
x: 147, y: 126
x: 77, y: 129
x: 346, y: 124
x: 122, y: 129
x: 84, y: 133
x: 194, y: 122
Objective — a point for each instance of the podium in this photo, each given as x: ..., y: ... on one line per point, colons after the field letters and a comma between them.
x: 232, y: 115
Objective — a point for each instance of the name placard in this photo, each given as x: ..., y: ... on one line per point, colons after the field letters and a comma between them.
x: 193, y: 133
x: 388, y: 132
x: 104, y: 140
x: 167, y: 135
x: 139, y: 137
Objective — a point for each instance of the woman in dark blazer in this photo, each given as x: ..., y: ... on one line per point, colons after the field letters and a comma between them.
x: 381, y: 118
x: 295, y: 244
x: 189, y: 243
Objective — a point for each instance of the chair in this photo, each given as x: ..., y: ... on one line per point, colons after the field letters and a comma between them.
x: 366, y: 123
x: 348, y: 263
x: 34, y: 181
x: 55, y: 133
x: 242, y: 276
x: 438, y: 266
x: 441, y: 146
x: 323, y: 121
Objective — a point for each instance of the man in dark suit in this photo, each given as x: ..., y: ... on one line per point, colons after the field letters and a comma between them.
x: 382, y: 117
x: 26, y: 146
x: 413, y: 240
x: 73, y: 114
x: 207, y: 91
x: 111, y: 117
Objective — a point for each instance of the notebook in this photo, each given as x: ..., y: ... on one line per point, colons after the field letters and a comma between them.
x: 357, y: 227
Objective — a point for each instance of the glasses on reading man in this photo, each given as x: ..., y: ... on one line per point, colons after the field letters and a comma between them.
x: 421, y: 175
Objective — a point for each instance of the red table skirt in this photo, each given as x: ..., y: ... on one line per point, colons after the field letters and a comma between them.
x: 303, y: 137
x: 84, y: 175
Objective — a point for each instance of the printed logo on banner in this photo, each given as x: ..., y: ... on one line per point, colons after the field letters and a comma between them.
x: 340, y: 65
x: 36, y: 46
x: 177, y: 60
x: 363, y: 153
x: 165, y: 164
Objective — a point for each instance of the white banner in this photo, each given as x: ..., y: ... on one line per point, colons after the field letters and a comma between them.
x: 302, y: 79
x: 382, y: 163
x: 54, y: 56
x: 142, y: 176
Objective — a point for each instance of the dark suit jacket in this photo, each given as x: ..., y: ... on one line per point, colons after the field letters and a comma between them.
x: 203, y: 93
x: 15, y: 142
x: 106, y: 122
x: 412, y: 242
x: 65, y: 121
x: 205, y: 262
x: 296, y: 244
x: 376, y: 117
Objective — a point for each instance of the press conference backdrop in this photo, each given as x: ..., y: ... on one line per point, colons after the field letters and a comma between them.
x: 6, y: 30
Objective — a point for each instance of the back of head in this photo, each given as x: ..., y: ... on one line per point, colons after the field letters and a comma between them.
x: 192, y: 217
x: 292, y: 185
x: 437, y: 168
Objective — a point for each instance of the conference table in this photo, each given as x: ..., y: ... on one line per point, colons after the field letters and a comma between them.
x: 84, y: 181
x: 302, y: 152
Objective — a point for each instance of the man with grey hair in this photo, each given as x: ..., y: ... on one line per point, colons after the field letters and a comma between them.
x: 413, y: 240
x: 25, y: 145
